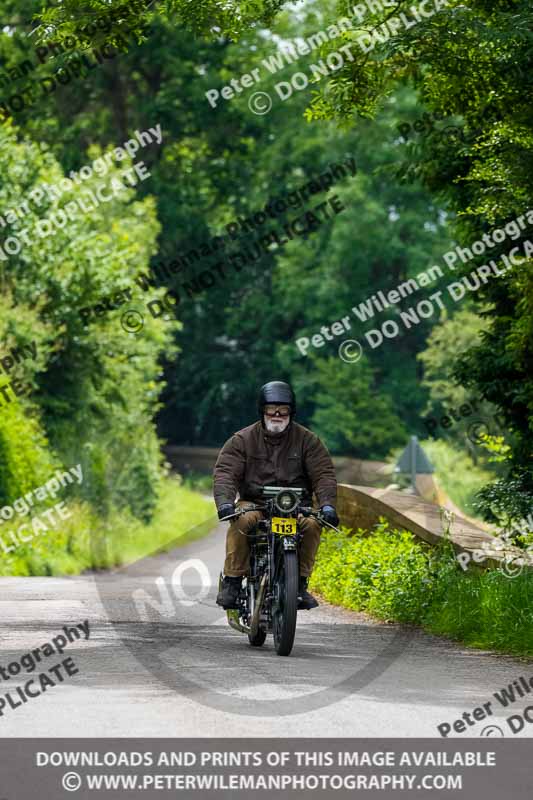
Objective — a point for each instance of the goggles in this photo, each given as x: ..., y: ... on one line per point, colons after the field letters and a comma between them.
x: 275, y: 410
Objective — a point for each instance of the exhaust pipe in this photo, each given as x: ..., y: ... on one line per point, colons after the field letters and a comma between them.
x: 254, y: 627
x: 233, y: 621
x: 233, y: 613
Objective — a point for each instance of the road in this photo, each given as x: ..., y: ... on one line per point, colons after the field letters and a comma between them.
x: 177, y: 669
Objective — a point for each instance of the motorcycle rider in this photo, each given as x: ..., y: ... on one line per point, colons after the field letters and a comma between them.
x: 274, y: 451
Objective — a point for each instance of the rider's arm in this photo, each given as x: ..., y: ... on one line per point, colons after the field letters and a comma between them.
x: 321, y: 471
x: 229, y: 471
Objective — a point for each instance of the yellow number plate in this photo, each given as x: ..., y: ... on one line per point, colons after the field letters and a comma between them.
x: 284, y: 525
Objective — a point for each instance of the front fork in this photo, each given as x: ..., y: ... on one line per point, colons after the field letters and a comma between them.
x: 287, y: 544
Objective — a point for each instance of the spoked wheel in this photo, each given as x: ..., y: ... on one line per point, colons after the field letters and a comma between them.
x: 285, y: 604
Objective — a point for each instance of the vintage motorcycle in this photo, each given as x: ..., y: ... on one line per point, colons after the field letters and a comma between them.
x: 268, y: 602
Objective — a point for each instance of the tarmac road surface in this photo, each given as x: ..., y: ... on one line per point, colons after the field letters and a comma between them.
x: 161, y: 661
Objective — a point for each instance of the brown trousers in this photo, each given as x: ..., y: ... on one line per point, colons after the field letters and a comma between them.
x: 238, y: 549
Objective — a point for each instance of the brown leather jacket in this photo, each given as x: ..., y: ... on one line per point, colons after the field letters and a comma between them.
x: 252, y: 458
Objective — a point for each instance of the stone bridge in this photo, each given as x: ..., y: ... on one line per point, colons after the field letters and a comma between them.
x: 366, y: 495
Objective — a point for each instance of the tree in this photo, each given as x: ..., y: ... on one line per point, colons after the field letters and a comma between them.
x: 93, y: 384
x: 470, y: 62
x: 350, y: 414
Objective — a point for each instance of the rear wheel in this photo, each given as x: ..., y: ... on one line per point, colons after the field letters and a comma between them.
x: 286, y: 604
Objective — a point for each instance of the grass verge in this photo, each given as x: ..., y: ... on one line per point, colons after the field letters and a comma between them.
x: 88, y: 541
x: 394, y: 576
x: 457, y: 474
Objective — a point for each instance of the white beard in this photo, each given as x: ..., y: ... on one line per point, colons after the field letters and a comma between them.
x: 276, y: 424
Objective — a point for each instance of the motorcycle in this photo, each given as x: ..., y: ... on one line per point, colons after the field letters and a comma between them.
x: 268, y: 602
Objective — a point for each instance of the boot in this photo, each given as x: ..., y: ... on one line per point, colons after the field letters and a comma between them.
x: 306, y: 601
x: 229, y: 593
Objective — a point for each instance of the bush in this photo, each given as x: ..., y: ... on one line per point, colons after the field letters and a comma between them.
x: 394, y: 576
x: 387, y: 574
x: 87, y: 541
x: 95, y: 387
x: 25, y: 462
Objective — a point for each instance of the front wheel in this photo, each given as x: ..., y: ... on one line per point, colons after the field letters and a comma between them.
x: 286, y: 603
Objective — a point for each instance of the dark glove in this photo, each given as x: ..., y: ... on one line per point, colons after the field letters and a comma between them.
x: 330, y: 515
x: 225, y: 510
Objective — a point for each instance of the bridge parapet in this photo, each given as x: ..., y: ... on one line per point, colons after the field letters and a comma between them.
x: 362, y: 506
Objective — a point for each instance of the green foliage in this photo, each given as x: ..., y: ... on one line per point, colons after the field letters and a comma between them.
x: 457, y: 473
x: 386, y: 574
x: 25, y: 461
x: 451, y: 337
x: 93, y: 387
x: 87, y: 541
x: 208, y: 18
x: 486, y: 610
x: 198, y: 482
x: 394, y: 576
x: 350, y: 414
x: 96, y: 390
x: 487, y: 180
x: 217, y: 164
x: 179, y: 514
x: 448, y: 340
x: 507, y: 500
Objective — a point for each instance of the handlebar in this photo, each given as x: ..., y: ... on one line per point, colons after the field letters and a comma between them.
x: 304, y: 510
x: 310, y: 512
x: 242, y: 511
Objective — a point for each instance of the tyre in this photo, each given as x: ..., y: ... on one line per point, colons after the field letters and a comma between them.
x: 286, y: 605
x: 259, y: 639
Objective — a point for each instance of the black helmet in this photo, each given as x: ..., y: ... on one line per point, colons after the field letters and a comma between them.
x: 276, y: 392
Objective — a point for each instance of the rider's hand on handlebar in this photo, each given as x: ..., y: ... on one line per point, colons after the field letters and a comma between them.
x: 226, y: 510
x: 330, y: 515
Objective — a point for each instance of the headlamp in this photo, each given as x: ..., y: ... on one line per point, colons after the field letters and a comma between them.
x: 286, y: 501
